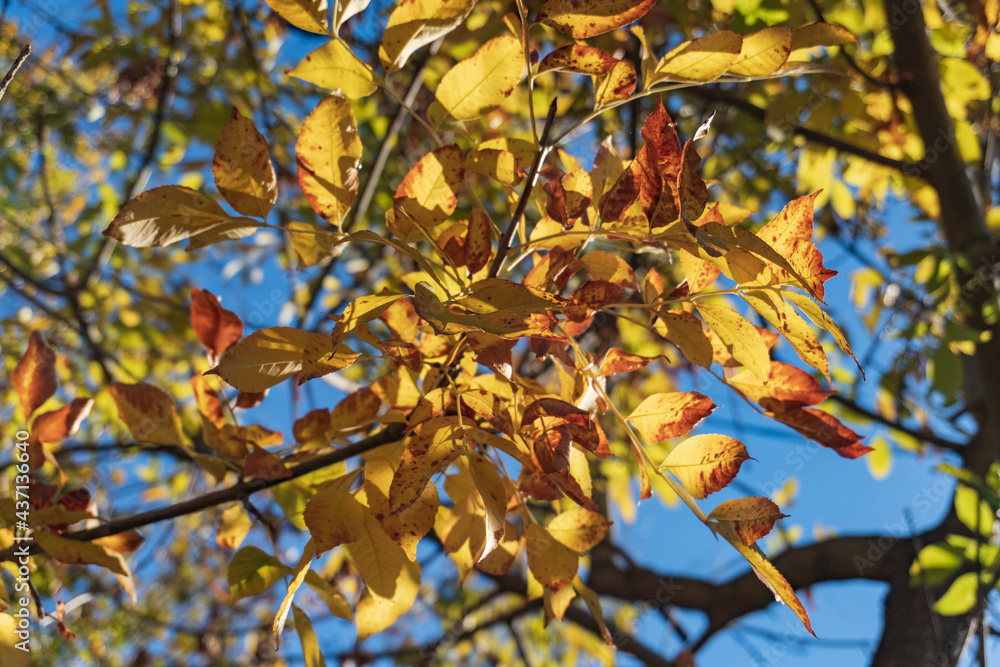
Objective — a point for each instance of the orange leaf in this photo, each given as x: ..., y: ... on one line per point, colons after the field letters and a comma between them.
x: 825, y: 429
x: 34, y: 377
x: 59, y: 424
x: 669, y: 415
x: 478, y: 241
x: 578, y: 58
x: 217, y: 328
x: 592, y: 296
x: 788, y: 387
x: 616, y: 85
x: 262, y: 464
x: 149, y: 413
x: 790, y: 234
x: 585, y: 18
x: 706, y: 463
x: 753, y: 517
x: 617, y: 360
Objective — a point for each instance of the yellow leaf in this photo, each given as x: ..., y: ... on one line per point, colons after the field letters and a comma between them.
x: 579, y: 528
x: 763, y: 52
x: 594, y: 605
x: 790, y: 235
x: 333, y: 517
x: 328, y: 152
x: 752, y: 518
x: 500, y: 165
x: 821, y: 34
x: 816, y: 315
x: 242, y: 168
x: 686, y: 332
x: 703, y: 59
x: 609, y: 267
x: 706, y: 463
x: 407, y: 527
x: 311, y: 654
x: 494, y: 496
x: 552, y: 563
x: 556, y: 604
x: 428, y: 194
x: 332, y: 598
x: 10, y: 654
x: 252, y: 572
x: 741, y: 339
x: 767, y: 573
x: 345, y: 9
x: 392, y: 580
x: 299, y: 575
x: 234, y: 524
x: 786, y: 320
x: 414, y: 23
x: 585, y: 18
x: 172, y: 213
x: 669, y: 415
x: 480, y: 84
x: 580, y: 59
x: 335, y: 66
x: 426, y: 453
x: 308, y: 15
x: 73, y: 552
x: 149, y: 413
x: 879, y: 460
x: 272, y: 355
x: 616, y: 85
x: 361, y: 310
x: 314, y: 246
x: 34, y: 377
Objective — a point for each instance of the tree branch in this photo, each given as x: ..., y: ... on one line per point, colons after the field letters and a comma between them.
x: 931, y: 438
x: 21, y: 57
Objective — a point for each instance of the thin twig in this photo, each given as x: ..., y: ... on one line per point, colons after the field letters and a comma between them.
x: 25, y: 52
x: 522, y: 204
x: 931, y: 438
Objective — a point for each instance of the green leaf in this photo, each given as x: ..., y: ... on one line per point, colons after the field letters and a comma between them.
x: 252, y: 572
x: 960, y: 596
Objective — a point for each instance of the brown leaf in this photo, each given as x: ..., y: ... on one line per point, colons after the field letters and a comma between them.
x: 149, y: 413
x: 58, y: 424
x: 752, y: 517
x: 580, y: 59
x: 34, y: 377
x: 217, y: 328
x: 825, y: 429
x: 617, y: 360
x: 262, y: 464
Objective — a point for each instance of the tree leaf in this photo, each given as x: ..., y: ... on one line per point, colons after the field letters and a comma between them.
x: 298, y: 576
x: 663, y: 416
x: 752, y: 518
x: 334, y: 517
x: 739, y: 336
x: 327, y: 153
x: 494, y: 496
x: 763, y: 52
x: 242, y: 168
x: 617, y: 360
x: 345, y: 9
x: 56, y: 425
x: 686, y: 332
x: 332, y: 598
x: 825, y: 429
x: 308, y: 15
x: 34, y: 377
x: 10, y: 655
x: 500, y: 165
x: 428, y: 194
x: 790, y: 234
x: 272, y: 355
x: 703, y: 59
x: 579, y: 529
x: 478, y: 241
x: 149, y: 413
x: 609, y: 267
x: 787, y: 387
x: 312, y: 656
x: 76, y: 552
x: 551, y: 562
x: 960, y: 596
x: 786, y: 320
x: 217, y: 328
x: 313, y: 245
x: 407, y: 527
x: 767, y: 573
x: 706, y: 463
x: 616, y: 85
x: 585, y: 18
x: 480, y: 84
x: 431, y: 450
x: 821, y: 34
x: 578, y: 58
x: 414, y: 23
x: 251, y: 572
x: 234, y: 524
x: 172, y: 213
x: 335, y: 66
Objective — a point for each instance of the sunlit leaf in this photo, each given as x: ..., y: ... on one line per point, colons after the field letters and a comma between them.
x: 663, y: 416
x: 477, y: 85
x: 34, y: 377
x: 702, y: 59
x: 752, y: 518
x: 242, y: 168
x: 579, y: 529
x: 585, y: 18
x: 706, y: 463
x: 309, y: 15
x: 335, y: 66
x: 327, y: 153
x: 415, y: 23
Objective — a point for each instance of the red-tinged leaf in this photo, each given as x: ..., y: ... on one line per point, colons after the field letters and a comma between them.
x: 242, y: 168
x: 663, y: 416
x: 356, y: 409
x: 207, y: 400
x: 554, y: 407
x: 645, y: 486
x: 493, y: 352
x: 487, y: 406
x: 478, y: 241
x: 70, y: 551
x: 788, y: 387
x: 149, y: 413
x: 752, y: 518
x: 428, y: 194
x: 34, y: 377
x: 615, y: 86
x: 580, y: 59
x: 617, y: 360
x: 790, y: 234
x: 691, y: 190
x: 592, y: 296
x: 250, y: 399
x: 699, y: 272
x: 585, y: 18
x: 706, y: 463
x: 553, y: 269
x: 611, y: 268
x: 825, y: 429
x: 262, y: 464
x: 58, y: 424
x: 217, y: 328
x: 327, y: 153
